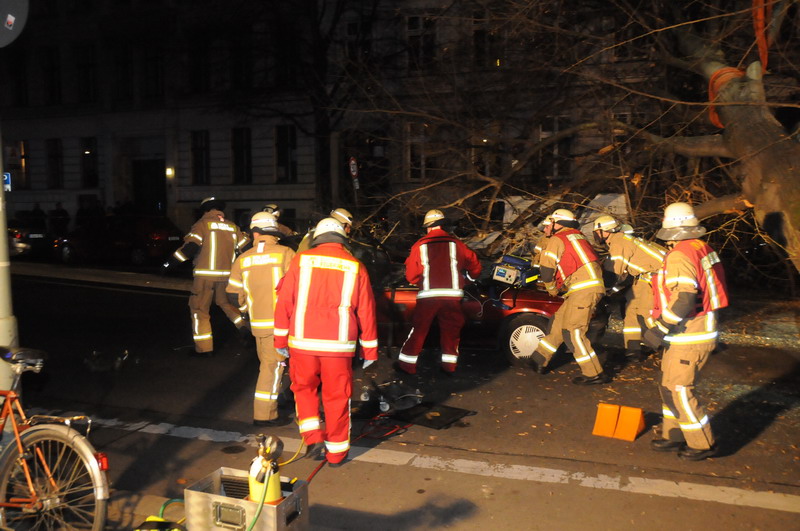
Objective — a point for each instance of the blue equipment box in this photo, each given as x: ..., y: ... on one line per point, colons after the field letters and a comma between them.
x: 515, y: 271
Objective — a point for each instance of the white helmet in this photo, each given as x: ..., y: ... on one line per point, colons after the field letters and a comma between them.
x: 432, y: 216
x: 680, y: 223
x: 273, y: 209
x: 626, y: 229
x: 561, y: 214
x: 679, y: 215
x: 265, y: 222
x: 606, y: 223
x: 342, y: 215
x: 329, y: 225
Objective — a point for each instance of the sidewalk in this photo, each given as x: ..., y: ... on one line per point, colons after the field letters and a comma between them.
x: 757, y: 322
x: 102, y: 276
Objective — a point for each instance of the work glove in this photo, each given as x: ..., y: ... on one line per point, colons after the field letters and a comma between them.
x: 367, y: 363
x: 164, y: 269
x: 654, y: 338
x: 284, y: 352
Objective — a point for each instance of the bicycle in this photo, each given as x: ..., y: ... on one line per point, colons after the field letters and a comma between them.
x: 51, y: 477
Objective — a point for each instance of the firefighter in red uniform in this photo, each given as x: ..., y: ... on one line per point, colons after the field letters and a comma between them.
x: 569, y: 265
x: 211, y: 244
x: 437, y: 265
x: 254, y: 277
x: 687, y: 290
x: 325, y: 310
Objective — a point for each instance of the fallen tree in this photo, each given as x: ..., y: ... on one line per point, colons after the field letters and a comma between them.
x: 489, y: 134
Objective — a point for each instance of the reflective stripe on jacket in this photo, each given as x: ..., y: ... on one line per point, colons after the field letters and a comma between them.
x: 254, y: 278
x: 437, y: 264
x: 633, y: 255
x: 326, y: 306
x: 218, y: 240
x: 573, y: 259
x: 690, y: 267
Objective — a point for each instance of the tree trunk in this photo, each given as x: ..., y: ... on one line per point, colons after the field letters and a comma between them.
x: 770, y: 160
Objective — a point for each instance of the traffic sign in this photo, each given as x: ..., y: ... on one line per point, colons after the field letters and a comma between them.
x: 15, y: 14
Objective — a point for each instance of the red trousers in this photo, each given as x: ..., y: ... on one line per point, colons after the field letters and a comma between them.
x: 335, y: 373
x: 447, y: 310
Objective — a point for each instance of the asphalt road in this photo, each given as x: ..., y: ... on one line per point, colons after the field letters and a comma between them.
x: 525, y: 460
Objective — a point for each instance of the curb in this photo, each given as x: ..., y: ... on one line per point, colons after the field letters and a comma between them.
x: 734, y: 331
x: 125, y: 278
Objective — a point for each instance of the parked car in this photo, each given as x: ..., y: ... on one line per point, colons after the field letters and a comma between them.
x: 511, y: 317
x: 127, y: 240
x: 29, y: 239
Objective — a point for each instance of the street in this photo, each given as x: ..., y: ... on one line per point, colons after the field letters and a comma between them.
x: 526, y: 459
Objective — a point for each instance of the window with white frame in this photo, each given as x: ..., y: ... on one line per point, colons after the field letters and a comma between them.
x: 122, y: 81
x: 201, y: 161
x: 50, y: 63
x: 420, y: 41
x: 55, y: 164
x: 16, y: 162
x: 554, y: 161
x: 357, y: 40
x: 286, y: 154
x: 86, y: 72
x: 420, y: 162
x: 153, y: 79
x: 90, y: 177
x: 488, y: 42
x: 241, y: 154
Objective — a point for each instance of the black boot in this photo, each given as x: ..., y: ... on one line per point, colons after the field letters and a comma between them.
x: 693, y: 454
x: 665, y: 445
x: 601, y: 378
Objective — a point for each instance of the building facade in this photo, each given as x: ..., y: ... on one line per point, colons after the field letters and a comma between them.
x: 156, y: 105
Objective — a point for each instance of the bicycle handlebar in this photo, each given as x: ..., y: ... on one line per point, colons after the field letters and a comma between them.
x: 22, y: 360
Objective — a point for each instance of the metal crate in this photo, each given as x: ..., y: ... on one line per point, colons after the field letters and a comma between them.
x: 217, y: 503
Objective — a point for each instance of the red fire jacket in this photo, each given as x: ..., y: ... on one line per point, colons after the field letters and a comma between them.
x: 437, y: 264
x: 577, y: 253
x: 690, y: 266
x: 325, y: 305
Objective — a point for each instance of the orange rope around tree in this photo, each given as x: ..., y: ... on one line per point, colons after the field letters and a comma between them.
x: 718, y: 80
x: 762, y: 11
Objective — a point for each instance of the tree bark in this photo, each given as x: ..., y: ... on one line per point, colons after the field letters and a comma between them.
x: 769, y: 157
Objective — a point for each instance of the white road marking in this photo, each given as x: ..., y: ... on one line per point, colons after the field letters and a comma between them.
x: 637, y: 485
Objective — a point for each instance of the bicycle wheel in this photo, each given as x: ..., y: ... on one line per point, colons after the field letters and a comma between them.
x: 74, y: 495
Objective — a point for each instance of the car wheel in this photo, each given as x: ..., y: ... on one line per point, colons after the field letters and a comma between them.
x: 521, y: 336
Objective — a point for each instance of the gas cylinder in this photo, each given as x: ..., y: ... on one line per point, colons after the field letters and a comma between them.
x: 264, y: 471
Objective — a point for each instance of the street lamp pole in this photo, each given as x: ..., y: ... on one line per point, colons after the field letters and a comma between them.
x: 8, y: 323
x: 16, y: 15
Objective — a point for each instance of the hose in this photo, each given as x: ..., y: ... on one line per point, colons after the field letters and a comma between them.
x: 166, y: 504
x: 261, y: 501
x: 294, y: 457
